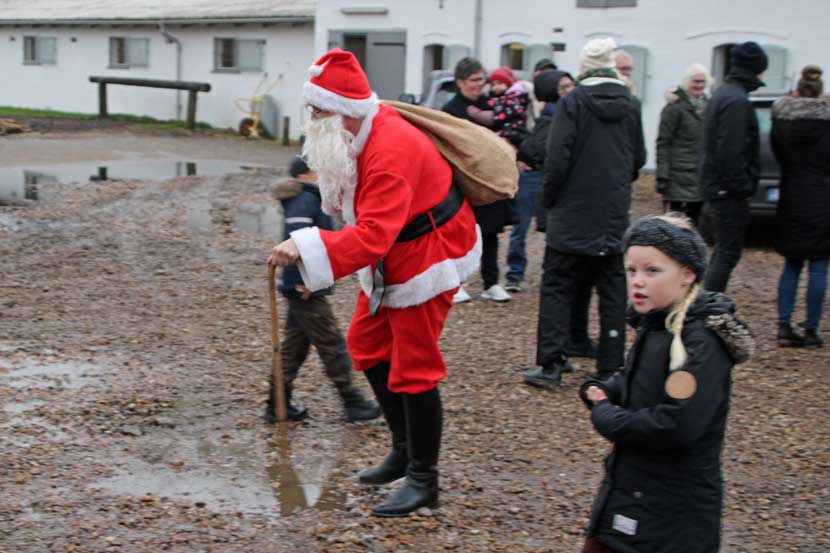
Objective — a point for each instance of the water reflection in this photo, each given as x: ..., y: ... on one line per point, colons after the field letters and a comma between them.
x: 19, y: 185
x: 306, y: 483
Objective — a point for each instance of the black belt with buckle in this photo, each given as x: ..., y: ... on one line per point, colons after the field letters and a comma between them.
x: 420, y: 225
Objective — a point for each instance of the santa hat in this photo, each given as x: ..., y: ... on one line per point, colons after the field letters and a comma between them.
x: 339, y: 84
x: 504, y: 75
x: 599, y: 53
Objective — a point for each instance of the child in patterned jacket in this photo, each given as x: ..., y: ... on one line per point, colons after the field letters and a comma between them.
x: 508, y: 107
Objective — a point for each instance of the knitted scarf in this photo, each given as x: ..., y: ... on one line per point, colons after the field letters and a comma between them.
x: 605, y: 72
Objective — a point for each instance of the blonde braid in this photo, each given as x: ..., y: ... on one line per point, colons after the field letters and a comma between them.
x: 674, y: 324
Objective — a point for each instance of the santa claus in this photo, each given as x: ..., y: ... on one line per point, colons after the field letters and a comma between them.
x: 411, y: 237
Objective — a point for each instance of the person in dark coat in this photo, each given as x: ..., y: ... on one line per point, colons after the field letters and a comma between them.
x: 594, y: 151
x: 491, y: 218
x: 680, y: 141
x: 309, y: 319
x: 731, y: 164
x: 801, y: 142
x: 666, y: 412
x: 548, y: 86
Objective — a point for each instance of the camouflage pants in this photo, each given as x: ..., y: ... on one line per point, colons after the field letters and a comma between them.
x: 312, y: 322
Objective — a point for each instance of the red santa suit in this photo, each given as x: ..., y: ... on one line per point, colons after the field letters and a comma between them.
x: 400, y: 175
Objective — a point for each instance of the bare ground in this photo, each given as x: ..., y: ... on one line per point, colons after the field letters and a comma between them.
x: 134, y: 353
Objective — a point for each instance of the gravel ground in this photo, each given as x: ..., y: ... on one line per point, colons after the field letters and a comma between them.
x: 134, y: 353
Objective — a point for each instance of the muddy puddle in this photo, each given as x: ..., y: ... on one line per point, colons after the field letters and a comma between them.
x: 21, y: 185
x: 295, y: 469
x: 36, y: 373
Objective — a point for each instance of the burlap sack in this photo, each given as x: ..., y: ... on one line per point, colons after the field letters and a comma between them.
x: 483, y: 163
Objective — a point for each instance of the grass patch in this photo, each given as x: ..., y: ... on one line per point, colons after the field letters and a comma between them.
x: 146, y: 122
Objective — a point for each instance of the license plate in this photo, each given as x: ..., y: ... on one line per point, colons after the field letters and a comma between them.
x: 772, y: 194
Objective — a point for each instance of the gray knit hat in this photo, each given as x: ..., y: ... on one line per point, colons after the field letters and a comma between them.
x: 684, y: 245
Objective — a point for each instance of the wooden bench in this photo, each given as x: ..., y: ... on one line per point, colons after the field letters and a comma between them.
x: 192, y: 89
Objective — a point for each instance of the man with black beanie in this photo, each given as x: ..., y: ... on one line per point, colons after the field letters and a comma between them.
x: 731, y: 164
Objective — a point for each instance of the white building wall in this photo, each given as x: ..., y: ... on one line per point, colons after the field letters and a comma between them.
x: 674, y: 33
x: 65, y: 86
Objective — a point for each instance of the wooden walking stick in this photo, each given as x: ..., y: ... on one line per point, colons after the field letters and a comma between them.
x: 278, y: 397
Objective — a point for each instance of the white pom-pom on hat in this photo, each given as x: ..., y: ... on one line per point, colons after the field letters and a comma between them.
x: 315, y: 70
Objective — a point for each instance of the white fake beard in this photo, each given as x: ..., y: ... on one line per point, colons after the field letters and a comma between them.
x: 329, y: 151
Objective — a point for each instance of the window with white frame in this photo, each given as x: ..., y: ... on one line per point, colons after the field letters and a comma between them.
x: 234, y: 54
x: 535, y: 53
x: 40, y: 50
x: 129, y: 52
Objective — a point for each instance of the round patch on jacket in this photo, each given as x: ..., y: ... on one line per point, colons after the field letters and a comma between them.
x: 681, y: 385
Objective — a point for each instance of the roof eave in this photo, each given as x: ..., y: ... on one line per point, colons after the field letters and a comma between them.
x: 155, y: 21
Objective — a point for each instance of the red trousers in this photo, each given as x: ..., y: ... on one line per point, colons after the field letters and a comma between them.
x: 406, y: 338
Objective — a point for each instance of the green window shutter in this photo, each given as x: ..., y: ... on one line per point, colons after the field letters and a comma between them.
x: 776, y: 74
x: 138, y: 52
x: 249, y: 54
x: 48, y: 50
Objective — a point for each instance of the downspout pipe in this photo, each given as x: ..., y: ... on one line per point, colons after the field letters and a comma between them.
x: 173, y: 40
x: 477, y: 31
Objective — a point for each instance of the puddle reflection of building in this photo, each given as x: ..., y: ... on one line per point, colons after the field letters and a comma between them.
x: 301, y: 486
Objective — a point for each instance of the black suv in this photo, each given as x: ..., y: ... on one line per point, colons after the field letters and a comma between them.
x: 763, y: 203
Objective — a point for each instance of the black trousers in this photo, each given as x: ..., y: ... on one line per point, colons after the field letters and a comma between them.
x: 489, y: 259
x: 689, y: 209
x: 730, y: 218
x: 312, y: 322
x: 563, y: 276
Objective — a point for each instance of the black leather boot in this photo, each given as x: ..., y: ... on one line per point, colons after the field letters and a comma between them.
x: 546, y: 377
x: 424, y: 421
x: 812, y: 339
x: 293, y: 412
x: 394, y: 466
x: 789, y: 338
x: 357, y: 407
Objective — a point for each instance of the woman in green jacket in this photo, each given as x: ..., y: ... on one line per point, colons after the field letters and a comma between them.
x: 680, y: 142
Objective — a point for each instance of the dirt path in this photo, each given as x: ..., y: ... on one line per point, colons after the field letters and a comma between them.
x: 134, y: 352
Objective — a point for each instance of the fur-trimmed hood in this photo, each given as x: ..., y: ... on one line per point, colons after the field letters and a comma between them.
x: 790, y: 108
x: 718, y: 311
x: 286, y: 188
x: 718, y: 314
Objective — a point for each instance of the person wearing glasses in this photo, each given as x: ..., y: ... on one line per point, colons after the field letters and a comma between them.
x: 410, y: 235
x: 491, y: 218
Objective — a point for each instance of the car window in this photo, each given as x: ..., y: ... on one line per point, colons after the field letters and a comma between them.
x: 764, y: 115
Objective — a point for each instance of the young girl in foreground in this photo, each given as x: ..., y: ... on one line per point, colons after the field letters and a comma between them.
x: 666, y: 411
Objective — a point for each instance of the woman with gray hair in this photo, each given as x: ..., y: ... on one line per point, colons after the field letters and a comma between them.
x: 680, y: 141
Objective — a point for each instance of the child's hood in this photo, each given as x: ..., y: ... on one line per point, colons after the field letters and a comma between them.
x: 718, y: 312
x: 286, y: 188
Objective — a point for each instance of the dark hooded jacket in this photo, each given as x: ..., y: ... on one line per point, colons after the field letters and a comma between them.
x: 663, y: 488
x: 492, y: 217
x: 679, y: 148
x: 533, y: 148
x: 302, y: 207
x: 801, y: 142
x: 731, y: 162
x: 595, y: 149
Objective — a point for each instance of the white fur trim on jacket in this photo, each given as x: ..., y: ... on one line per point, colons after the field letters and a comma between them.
x: 593, y: 81
x: 437, y: 279
x: 327, y: 100
x: 314, y: 264
x: 365, y: 128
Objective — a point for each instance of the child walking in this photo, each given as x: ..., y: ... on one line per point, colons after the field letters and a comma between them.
x: 310, y: 319
x: 665, y: 412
